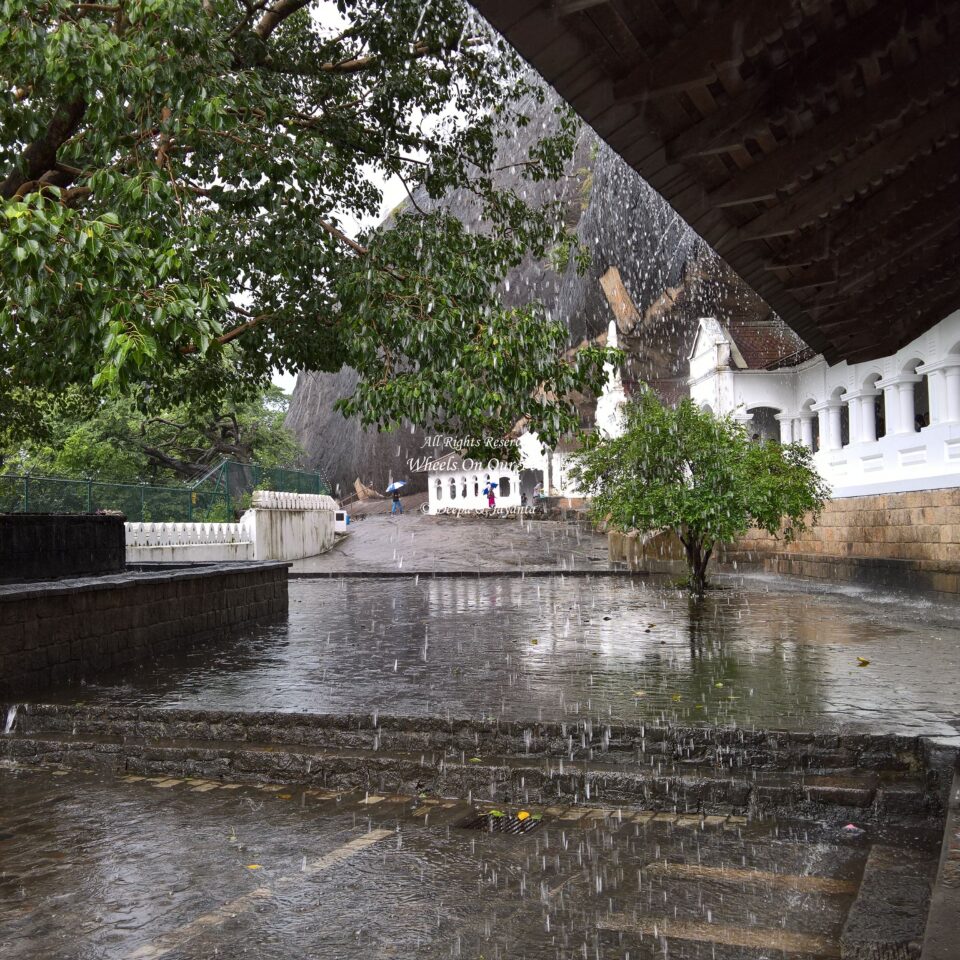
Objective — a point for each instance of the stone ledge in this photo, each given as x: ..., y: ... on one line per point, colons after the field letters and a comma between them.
x: 142, y: 575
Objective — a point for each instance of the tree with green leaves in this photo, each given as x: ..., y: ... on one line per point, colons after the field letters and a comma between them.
x: 683, y: 469
x: 113, y: 441
x: 177, y: 181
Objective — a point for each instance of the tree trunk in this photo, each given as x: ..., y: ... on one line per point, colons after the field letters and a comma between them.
x: 697, y: 560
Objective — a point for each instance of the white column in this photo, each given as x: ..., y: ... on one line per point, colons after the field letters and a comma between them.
x: 786, y: 427
x: 823, y: 416
x: 863, y: 417
x: 952, y: 376
x: 744, y: 419
x: 853, y: 415
x: 831, y: 437
x: 891, y: 408
x: 906, y: 413
x: 806, y: 431
x: 943, y: 382
x: 868, y: 418
x: 898, y: 402
x: 935, y: 388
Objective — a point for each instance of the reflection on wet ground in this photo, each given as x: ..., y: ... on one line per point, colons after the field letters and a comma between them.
x: 757, y: 653
x: 137, y: 868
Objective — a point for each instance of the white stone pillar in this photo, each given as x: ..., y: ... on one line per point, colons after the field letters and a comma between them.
x: 898, y: 402
x: 806, y: 431
x: 906, y: 413
x: 891, y: 407
x: 786, y: 427
x: 853, y: 415
x: 744, y: 419
x: 868, y: 418
x: 831, y: 435
x: 863, y: 415
x: 943, y: 383
x: 952, y: 376
x: 823, y: 417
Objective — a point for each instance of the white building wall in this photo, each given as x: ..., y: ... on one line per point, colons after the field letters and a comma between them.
x: 815, y: 398
x: 463, y: 489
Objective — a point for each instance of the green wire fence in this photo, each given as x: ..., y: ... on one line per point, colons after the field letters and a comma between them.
x: 218, y: 496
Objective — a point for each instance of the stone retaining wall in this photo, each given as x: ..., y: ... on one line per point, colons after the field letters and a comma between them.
x: 37, y: 546
x: 57, y: 632
x: 897, y: 539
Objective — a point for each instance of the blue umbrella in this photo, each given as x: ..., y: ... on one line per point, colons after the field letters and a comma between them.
x: 396, y: 485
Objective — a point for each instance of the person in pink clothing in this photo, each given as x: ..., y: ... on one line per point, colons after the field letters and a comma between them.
x: 491, y: 498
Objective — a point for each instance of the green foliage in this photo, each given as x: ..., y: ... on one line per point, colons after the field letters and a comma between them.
x: 112, y: 440
x: 683, y: 469
x: 174, y: 176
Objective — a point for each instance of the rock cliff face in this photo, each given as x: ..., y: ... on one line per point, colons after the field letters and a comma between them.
x: 667, y: 276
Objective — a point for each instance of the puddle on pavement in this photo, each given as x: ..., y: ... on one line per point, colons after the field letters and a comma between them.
x: 154, y: 869
x: 554, y: 648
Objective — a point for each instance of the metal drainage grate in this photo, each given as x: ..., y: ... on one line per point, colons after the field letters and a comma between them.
x: 503, y: 823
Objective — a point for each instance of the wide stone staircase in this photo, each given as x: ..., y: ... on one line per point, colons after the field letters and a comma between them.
x: 731, y: 843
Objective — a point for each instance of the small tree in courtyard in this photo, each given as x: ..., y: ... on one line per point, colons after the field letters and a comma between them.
x: 687, y: 470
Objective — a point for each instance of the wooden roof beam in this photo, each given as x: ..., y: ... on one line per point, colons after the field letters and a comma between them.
x: 907, y: 323
x: 919, y: 226
x: 879, y: 211
x: 762, y: 101
x: 893, y: 153
x: 931, y: 271
x: 741, y: 29
x: 887, y: 101
x: 567, y: 8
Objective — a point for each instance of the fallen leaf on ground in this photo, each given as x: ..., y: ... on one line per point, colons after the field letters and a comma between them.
x: 253, y: 866
x: 863, y: 662
x: 523, y: 815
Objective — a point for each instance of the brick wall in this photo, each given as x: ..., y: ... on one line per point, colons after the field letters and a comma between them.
x: 36, y: 546
x: 894, y: 539
x: 57, y: 632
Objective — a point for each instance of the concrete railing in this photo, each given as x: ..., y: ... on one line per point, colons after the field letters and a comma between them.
x: 278, y: 526
x: 167, y: 534
x: 273, y: 500
x: 188, y: 542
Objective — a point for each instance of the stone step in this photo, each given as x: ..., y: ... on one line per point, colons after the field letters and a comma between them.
x: 723, y: 748
x: 865, y: 795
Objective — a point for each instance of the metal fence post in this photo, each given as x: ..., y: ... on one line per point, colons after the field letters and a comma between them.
x: 89, y: 495
x: 143, y: 488
x: 26, y: 494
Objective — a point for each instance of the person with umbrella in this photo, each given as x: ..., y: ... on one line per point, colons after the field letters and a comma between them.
x: 394, y: 488
x: 491, y: 495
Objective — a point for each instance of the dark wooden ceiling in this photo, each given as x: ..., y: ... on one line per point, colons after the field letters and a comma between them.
x: 813, y: 143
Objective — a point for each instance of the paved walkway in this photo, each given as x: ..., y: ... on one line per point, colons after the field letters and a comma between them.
x: 417, y: 543
x: 190, y: 869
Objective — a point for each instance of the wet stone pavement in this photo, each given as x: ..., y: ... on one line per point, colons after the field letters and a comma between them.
x: 758, y: 653
x: 96, y: 866
x: 414, y: 543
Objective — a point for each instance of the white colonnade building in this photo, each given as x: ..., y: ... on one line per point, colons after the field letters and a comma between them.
x: 885, y: 425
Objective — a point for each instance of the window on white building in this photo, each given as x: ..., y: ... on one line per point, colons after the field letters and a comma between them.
x: 463, y: 488
x: 476, y: 487
x: 504, y: 488
x: 439, y: 489
x: 453, y: 488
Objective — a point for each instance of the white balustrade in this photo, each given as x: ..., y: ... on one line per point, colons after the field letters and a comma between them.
x: 276, y: 500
